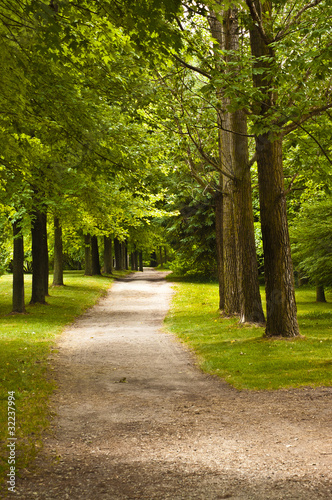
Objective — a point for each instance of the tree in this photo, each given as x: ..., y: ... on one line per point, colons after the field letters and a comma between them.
x: 311, y: 236
x: 108, y: 255
x: 58, y: 254
x: 39, y: 257
x: 18, y: 273
x: 216, y: 147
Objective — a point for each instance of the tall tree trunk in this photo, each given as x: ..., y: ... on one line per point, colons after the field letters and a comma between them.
x: 161, y: 257
x: 46, y: 258
x: 153, y: 259
x: 239, y: 293
x: 125, y: 255
x: 231, y: 254
x: 87, y: 255
x: 39, y: 257
x: 18, y: 273
x: 58, y: 254
x: 279, y: 277
x: 320, y: 294
x: 95, y: 267
x: 230, y: 239
x: 217, y: 33
x: 136, y: 260
x: 231, y: 286
x: 140, y: 260
x: 108, y: 257
x: 118, y: 255
x: 251, y: 309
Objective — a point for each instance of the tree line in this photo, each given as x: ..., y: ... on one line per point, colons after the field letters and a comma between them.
x: 114, y: 110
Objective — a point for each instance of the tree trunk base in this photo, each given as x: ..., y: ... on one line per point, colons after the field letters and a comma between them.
x: 283, y: 337
x: 16, y: 313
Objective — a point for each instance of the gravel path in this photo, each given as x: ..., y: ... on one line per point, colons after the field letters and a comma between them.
x: 137, y: 420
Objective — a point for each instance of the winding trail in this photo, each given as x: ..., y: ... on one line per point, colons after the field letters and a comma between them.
x: 137, y: 420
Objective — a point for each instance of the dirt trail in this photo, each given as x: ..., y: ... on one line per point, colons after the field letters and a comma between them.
x: 137, y: 420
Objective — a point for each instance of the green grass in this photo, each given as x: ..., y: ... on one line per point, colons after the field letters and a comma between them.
x: 239, y: 353
x: 25, y: 345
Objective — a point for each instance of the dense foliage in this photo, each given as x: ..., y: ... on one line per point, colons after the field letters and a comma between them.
x: 113, y: 115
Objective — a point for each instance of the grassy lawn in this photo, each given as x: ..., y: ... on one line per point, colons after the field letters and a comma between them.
x: 240, y: 355
x: 25, y: 345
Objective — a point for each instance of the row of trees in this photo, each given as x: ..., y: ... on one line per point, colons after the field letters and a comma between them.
x: 75, y: 150
x: 261, y: 73
x: 117, y: 113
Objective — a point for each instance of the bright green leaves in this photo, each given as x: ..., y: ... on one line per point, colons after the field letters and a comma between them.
x: 311, y: 235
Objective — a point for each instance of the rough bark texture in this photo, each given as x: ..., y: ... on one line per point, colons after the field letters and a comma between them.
x: 18, y: 273
x: 87, y: 254
x: 230, y: 243
x: 58, y: 255
x: 251, y: 309
x: 230, y: 240
x: 278, y: 266
x: 39, y: 257
x: 95, y: 263
x: 279, y: 278
x: 108, y: 257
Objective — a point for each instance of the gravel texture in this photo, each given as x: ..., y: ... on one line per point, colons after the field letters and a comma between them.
x: 136, y: 419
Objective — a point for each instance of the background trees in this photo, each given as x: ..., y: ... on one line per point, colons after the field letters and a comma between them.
x: 114, y: 114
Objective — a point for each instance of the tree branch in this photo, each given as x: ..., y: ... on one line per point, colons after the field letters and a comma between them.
x: 314, y: 112
x: 258, y: 21
x: 207, y: 157
x: 306, y: 117
x: 295, y: 19
x: 193, y: 68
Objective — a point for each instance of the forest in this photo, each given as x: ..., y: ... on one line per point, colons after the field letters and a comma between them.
x: 190, y: 134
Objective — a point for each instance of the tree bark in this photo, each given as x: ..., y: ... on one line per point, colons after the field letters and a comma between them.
x: 18, y: 272
x: 140, y: 260
x: 279, y: 277
x: 320, y: 294
x: 278, y: 266
x: 108, y: 257
x: 39, y: 257
x: 118, y: 255
x: 153, y: 259
x: 58, y: 254
x: 136, y: 260
x: 161, y: 257
x: 95, y: 263
x: 125, y: 255
x: 251, y: 309
x: 46, y: 258
x: 87, y: 254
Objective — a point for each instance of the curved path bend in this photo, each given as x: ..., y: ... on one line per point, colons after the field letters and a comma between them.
x: 137, y: 420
